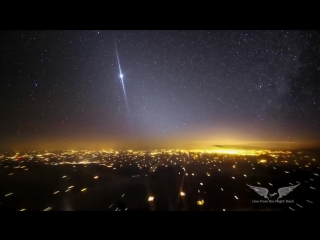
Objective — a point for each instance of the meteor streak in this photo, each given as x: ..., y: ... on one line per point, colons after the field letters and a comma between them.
x: 121, y: 77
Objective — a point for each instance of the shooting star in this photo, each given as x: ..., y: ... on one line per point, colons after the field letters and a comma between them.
x: 121, y: 76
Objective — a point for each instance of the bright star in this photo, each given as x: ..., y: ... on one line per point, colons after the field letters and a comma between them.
x: 121, y: 76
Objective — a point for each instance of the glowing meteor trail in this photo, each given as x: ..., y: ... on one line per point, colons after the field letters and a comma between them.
x: 121, y: 77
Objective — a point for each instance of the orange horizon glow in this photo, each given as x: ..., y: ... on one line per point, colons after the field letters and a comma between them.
x: 218, y: 145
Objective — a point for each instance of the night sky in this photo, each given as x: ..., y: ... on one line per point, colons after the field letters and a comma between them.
x: 184, y: 89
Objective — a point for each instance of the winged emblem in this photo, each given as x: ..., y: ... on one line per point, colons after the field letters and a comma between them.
x: 286, y: 190
x: 281, y: 191
x: 261, y: 191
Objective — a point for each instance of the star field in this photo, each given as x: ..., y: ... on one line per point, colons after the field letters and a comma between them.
x: 195, y: 86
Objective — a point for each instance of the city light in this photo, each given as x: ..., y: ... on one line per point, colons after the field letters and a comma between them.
x: 200, y: 202
x: 197, y: 169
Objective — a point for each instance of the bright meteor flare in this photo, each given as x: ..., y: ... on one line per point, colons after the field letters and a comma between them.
x: 121, y: 76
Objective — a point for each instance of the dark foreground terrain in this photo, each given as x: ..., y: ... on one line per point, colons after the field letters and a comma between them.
x: 165, y: 182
